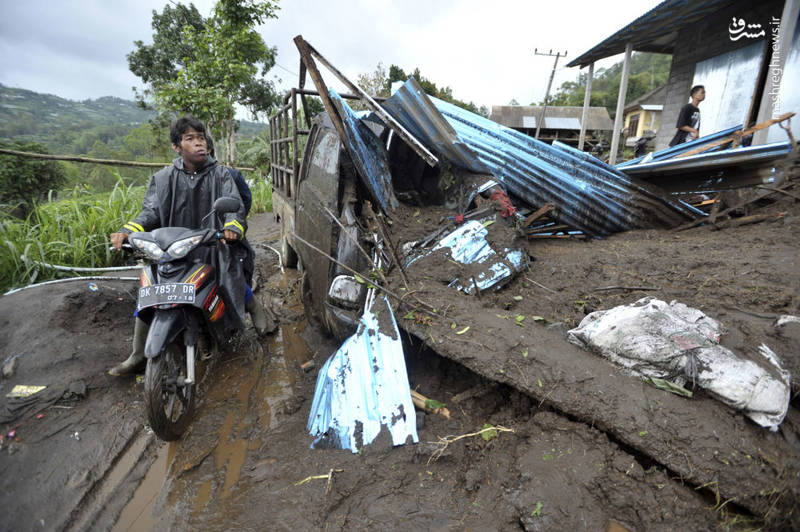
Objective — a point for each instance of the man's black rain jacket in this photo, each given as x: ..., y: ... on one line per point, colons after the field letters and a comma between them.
x: 179, y: 198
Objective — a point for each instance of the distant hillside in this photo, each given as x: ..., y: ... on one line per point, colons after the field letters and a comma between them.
x: 59, y: 123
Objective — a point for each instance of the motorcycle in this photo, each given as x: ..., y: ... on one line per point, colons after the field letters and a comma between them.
x: 180, y: 296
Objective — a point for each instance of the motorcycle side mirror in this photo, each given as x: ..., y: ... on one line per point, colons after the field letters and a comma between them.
x: 226, y: 204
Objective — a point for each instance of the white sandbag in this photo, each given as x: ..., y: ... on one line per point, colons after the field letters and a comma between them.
x: 651, y: 338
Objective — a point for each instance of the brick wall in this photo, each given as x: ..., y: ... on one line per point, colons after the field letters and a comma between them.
x: 700, y: 41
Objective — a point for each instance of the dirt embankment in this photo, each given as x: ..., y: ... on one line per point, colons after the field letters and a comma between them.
x: 590, y: 445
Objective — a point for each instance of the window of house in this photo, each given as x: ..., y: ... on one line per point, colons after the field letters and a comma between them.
x: 633, y: 125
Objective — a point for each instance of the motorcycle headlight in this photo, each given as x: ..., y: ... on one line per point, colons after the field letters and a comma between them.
x: 149, y: 248
x: 180, y: 248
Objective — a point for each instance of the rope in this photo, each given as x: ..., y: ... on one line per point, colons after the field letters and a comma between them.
x: 89, y: 278
x: 78, y: 268
x: 280, y: 259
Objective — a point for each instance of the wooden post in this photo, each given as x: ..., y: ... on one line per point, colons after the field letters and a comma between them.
x: 623, y: 88
x: 306, y: 50
x: 791, y: 10
x: 540, y: 120
x: 586, y: 98
x: 316, y: 77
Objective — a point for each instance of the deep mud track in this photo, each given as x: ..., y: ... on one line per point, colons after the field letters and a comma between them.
x: 590, y: 446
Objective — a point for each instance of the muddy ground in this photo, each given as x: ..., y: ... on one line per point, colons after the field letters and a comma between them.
x: 591, y: 448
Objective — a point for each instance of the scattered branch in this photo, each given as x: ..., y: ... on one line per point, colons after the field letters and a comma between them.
x: 540, y: 285
x: 605, y: 288
x: 445, y: 442
x: 329, y: 476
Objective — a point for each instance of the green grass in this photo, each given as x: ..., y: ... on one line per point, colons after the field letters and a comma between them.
x: 72, y: 231
x: 262, y: 196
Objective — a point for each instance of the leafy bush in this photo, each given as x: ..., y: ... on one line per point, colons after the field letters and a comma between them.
x: 24, y: 180
x: 262, y: 195
x: 73, y: 232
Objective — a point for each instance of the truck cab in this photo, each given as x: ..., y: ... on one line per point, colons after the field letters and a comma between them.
x: 308, y: 192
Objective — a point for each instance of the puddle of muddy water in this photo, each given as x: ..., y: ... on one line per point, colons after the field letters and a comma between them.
x: 245, y: 396
x: 137, y: 516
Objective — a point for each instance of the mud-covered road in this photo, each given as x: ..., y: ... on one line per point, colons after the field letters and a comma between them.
x: 591, y: 448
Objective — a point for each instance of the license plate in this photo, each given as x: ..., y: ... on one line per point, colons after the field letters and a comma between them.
x: 164, y: 294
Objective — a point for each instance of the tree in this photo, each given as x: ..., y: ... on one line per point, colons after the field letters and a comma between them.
x: 443, y: 93
x: 170, y: 52
x: 225, y: 64
x: 23, y: 180
x: 648, y: 71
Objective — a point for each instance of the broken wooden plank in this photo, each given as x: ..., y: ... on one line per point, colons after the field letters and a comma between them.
x: 393, y: 124
x: 322, y: 89
x: 544, y: 209
x: 737, y: 135
x: 744, y: 203
x: 744, y: 220
x: 549, y: 229
x: 429, y: 405
x: 715, y: 208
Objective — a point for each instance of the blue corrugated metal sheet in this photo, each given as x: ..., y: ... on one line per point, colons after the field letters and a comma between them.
x: 710, y: 161
x: 685, y: 146
x: 589, y: 195
x: 368, y: 154
x: 468, y: 245
x: 363, y: 387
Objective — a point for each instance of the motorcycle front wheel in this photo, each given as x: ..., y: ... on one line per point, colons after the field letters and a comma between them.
x: 169, y: 406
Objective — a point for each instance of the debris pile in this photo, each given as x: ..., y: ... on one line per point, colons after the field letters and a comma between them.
x: 456, y: 196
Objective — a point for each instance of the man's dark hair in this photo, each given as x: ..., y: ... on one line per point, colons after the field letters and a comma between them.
x: 179, y: 127
x: 209, y: 144
x: 695, y: 89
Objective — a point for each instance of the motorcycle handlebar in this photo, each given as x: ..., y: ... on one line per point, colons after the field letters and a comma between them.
x: 126, y: 246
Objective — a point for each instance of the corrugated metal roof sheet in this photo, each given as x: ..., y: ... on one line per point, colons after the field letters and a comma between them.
x: 557, y: 122
x: 683, y: 147
x: 589, y: 195
x: 516, y: 116
x: 656, y: 96
x: 368, y: 154
x: 711, y: 160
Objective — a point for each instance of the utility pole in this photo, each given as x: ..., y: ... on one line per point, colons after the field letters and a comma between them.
x: 557, y: 55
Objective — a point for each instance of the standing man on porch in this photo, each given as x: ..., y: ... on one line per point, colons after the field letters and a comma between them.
x: 689, y: 118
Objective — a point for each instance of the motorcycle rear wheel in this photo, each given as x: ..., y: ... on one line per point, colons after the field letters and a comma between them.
x: 169, y: 407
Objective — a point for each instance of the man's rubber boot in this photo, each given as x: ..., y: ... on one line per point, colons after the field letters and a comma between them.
x: 257, y: 314
x: 135, y: 361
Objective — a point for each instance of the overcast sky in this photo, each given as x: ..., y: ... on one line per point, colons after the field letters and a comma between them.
x: 482, y: 49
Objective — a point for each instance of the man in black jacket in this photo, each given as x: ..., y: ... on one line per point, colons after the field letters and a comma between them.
x: 181, y: 195
x: 689, y: 118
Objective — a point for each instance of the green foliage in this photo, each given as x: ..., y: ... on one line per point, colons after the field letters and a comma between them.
x: 262, y: 195
x: 224, y: 64
x: 648, y: 72
x: 398, y: 74
x: 489, y: 432
x: 254, y: 152
x: 170, y: 52
x: 24, y: 180
x: 72, y: 232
